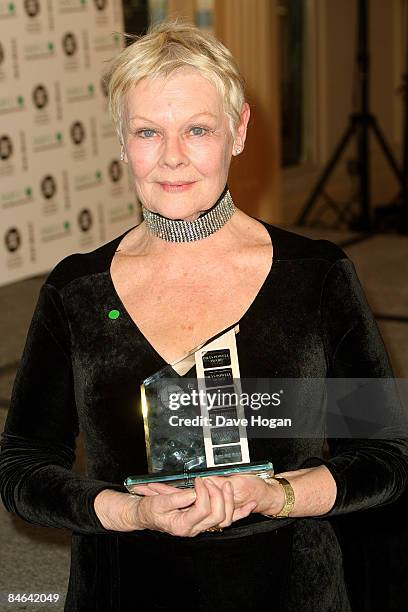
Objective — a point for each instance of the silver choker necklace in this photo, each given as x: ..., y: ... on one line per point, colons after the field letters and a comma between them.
x: 177, y: 230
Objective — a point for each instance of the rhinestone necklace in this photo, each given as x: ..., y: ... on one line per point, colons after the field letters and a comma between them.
x: 177, y: 230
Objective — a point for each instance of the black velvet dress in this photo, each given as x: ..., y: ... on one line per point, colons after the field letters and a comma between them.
x: 81, y: 370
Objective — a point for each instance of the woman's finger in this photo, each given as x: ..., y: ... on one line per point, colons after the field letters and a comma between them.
x: 243, y: 511
x: 217, y: 480
x: 143, y: 490
x: 217, y: 501
x: 175, y: 501
x: 162, y: 488
x: 228, y: 504
x: 154, y: 488
x: 197, y: 517
x: 202, y: 506
x: 216, y: 510
x: 188, y: 522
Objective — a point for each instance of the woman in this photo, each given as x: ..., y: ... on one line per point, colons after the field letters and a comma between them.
x: 108, y: 319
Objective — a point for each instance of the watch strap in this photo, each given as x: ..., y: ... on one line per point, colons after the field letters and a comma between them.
x: 289, y: 498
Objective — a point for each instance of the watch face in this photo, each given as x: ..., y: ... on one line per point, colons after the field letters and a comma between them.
x: 289, y: 497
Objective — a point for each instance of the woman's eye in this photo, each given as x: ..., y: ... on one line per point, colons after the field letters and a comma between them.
x: 142, y: 133
x: 148, y: 133
x: 201, y: 130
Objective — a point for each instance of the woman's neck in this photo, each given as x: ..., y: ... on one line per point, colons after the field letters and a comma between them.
x: 191, y: 229
x: 140, y: 242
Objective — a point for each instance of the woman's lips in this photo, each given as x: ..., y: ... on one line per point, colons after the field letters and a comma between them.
x: 176, y: 188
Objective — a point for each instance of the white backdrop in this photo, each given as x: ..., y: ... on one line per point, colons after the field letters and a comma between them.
x: 63, y: 188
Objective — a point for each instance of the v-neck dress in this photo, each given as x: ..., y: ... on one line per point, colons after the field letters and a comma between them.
x: 81, y: 371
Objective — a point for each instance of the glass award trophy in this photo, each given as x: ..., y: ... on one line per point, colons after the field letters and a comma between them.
x: 195, y: 426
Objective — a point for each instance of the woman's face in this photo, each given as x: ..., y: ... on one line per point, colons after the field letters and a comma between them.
x: 178, y: 144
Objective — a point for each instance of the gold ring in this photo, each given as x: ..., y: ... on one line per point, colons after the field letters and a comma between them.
x: 214, y: 529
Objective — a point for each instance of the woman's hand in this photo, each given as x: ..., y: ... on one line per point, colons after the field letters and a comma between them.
x: 266, y: 497
x: 213, y: 503
x: 164, y: 508
x: 314, y: 488
x: 248, y: 490
x: 187, y: 513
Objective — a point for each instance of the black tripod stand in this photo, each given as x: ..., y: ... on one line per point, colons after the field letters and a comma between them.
x: 360, y: 124
x: 395, y: 214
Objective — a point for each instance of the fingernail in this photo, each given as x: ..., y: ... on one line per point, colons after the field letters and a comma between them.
x: 209, y: 481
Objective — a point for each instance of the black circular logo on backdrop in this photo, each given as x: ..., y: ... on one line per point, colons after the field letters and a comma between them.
x: 69, y: 43
x: 115, y: 171
x: 77, y: 132
x: 100, y: 4
x: 32, y: 7
x: 6, y: 147
x: 85, y: 220
x: 48, y: 187
x: 12, y: 239
x: 40, y: 96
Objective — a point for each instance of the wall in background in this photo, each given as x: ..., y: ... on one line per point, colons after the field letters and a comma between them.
x: 334, y: 37
x: 63, y: 189
x: 250, y: 31
x: 62, y: 186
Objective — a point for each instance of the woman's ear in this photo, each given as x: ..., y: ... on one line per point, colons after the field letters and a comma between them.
x: 242, y: 128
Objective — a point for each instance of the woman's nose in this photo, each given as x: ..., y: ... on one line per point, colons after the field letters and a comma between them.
x: 173, y: 154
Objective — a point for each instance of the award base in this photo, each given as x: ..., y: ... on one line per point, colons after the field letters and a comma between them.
x: 185, y: 480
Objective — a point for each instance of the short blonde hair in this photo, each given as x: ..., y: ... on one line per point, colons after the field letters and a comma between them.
x: 168, y: 47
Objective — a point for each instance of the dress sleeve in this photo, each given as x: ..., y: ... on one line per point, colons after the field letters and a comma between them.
x: 373, y: 471
x: 38, y: 444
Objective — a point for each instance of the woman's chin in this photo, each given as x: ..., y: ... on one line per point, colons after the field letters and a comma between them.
x: 171, y: 207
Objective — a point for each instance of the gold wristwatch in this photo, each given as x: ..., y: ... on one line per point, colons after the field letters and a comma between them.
x: 289, y: 497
